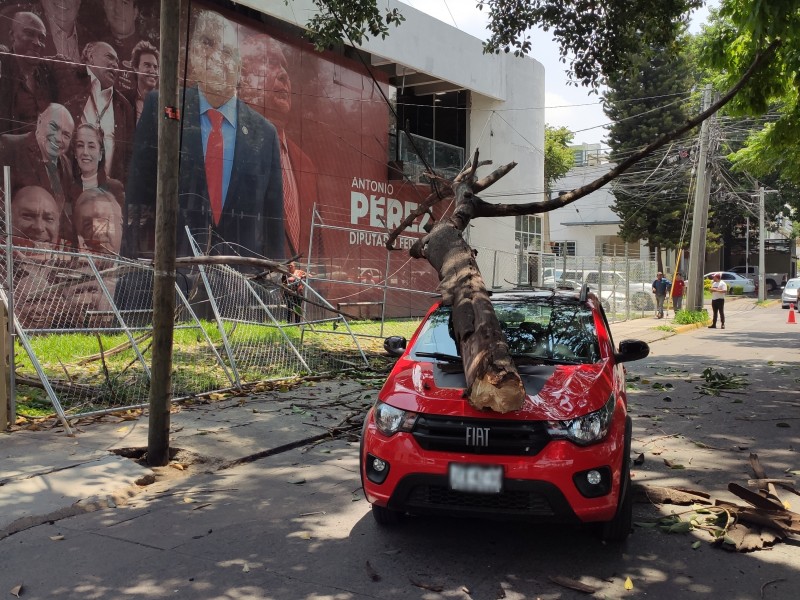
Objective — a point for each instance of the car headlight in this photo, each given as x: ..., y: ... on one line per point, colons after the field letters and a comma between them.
x: 389, y: 420
x: 587, y: 429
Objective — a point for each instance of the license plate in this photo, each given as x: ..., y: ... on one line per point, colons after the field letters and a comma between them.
x: 483, y: 479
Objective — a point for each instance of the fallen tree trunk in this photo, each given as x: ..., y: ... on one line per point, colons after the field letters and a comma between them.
x: 493, y: 381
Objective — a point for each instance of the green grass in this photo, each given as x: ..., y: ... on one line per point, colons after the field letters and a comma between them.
x: 688, y: 317
x: 83, y: 386
x: 668, y: 328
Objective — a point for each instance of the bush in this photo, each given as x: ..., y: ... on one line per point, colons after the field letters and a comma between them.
x: 687, y: 317
x: 736, y: 290
x: 707, y: 285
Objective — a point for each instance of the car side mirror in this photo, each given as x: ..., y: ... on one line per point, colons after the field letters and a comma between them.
x: 632, y: 350
x: 395, y: 345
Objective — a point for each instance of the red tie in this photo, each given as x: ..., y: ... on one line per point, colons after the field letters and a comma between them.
x: 215, y: 151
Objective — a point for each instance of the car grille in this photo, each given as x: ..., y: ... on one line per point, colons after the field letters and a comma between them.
x: 511, y: 438
x: 511, y: 501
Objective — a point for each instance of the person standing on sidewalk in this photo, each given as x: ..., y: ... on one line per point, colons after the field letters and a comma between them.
x: 718, y: 290
x: 660, y: 287
x: 677, y: 292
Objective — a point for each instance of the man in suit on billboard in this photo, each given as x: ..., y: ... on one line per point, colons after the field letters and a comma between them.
x: 230, y: 178
x: 26, y: 86
x: 89, y: 94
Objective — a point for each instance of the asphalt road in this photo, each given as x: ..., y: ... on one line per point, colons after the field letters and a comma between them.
x: 295, y: 525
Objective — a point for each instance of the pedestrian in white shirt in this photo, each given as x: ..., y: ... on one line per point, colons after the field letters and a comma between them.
x: 718, y: 290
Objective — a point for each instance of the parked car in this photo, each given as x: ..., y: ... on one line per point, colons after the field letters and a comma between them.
x: 734, y: 280
x: 564, y: 456
x: 772, y: 280
x: 614, y: 288
x: 789, y: 295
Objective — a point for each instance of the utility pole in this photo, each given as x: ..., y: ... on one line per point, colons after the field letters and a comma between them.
x: 169, y: 132
x: 762, y: 233
x: 697, y: 246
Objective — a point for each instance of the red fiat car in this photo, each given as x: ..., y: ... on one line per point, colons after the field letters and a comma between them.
x: 564, y: 456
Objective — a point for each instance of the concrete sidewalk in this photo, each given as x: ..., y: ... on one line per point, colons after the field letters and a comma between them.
x: 46, y: 475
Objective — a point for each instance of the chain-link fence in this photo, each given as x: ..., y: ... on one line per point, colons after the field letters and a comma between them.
x: 624, y: 285
x: 84, y: 329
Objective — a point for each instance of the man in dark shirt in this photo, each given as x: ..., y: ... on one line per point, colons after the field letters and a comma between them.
x: 661, y: 286
x: 26, y: 88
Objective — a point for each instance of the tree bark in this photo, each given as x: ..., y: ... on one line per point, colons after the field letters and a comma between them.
x: 493, y: 381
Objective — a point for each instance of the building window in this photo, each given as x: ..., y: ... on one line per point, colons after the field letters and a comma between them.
x: 563, y: 248
x: 529, y: 233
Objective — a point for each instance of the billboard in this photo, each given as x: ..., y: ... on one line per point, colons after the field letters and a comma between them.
x: 270, y: 129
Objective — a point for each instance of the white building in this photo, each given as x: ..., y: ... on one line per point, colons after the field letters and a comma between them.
x: 588, y: 226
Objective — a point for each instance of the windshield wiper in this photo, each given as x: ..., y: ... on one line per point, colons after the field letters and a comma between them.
x: 545, y: 360
x: 451, y: 358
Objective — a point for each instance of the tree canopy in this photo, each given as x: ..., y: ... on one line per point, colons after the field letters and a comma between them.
x: 646, y: 99
x: 735, y: 34
x: 558, y: 158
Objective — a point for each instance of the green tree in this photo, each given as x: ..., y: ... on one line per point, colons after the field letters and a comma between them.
x: 736, y: 33
x: 558, y: 158
x: 648, y: 98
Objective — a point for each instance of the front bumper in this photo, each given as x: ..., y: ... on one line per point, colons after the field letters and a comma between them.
x: 538, y: 488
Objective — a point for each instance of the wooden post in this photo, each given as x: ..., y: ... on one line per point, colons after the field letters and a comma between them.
x: 169, y: 132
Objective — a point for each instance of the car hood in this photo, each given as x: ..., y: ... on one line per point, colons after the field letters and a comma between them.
x: 553, y: 392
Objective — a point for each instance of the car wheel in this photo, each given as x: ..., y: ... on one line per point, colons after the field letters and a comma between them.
x: 619, y: 528
x: 784, y: 306
x: 642, y: 301
x: 771, y: 286
x: 386, y: 516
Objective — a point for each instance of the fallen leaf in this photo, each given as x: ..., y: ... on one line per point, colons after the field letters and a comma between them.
x: 628, y: 584
x: 188, y: 500
x: 57, y: 538
x: 178, y: 466
x: 782, y: 424
x: 673, y: 465
x: 298, y: 481
x: 246, y: 568
x: 572, y: 584
x: 696, y: 545
x: 639, y: 460
x: 432, y: 587
x: 16, y: 590
x: 304, y: 535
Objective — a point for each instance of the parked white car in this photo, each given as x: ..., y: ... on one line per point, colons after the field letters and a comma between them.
x: 789, y: 295
x: 734, y: 280
x: 610, y: 286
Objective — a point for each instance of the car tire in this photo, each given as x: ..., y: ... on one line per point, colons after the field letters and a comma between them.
x: 618, y: 529
x: 642, y: 301
x: 386, y: 517
x: 784, y: 306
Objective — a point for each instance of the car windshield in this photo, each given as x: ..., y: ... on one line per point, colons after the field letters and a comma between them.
x: 792, y: 284
x: 537, y: 330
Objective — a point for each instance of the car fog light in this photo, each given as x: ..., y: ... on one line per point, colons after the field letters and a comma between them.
x: 593, y: 483
x: 376, y: 469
